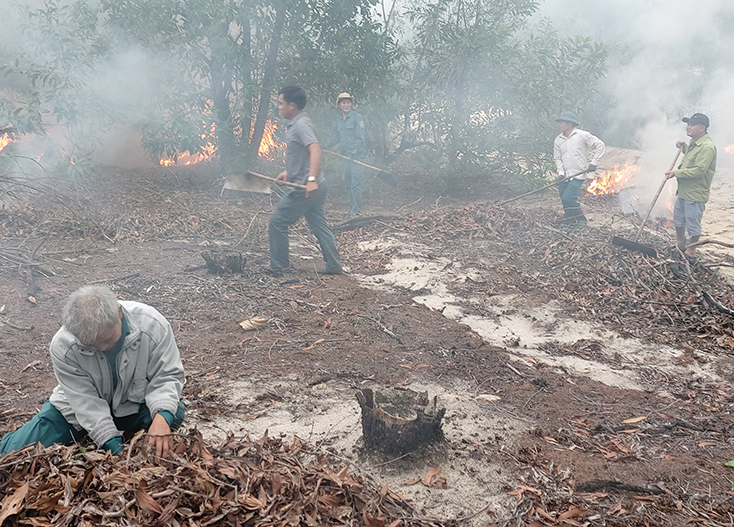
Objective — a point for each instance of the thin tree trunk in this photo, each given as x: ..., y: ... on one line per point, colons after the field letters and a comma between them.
x: 271, y: 66
x: 246, y: 80
x: 221, y: 80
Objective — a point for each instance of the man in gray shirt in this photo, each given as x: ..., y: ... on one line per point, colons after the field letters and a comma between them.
x: 302, y: 165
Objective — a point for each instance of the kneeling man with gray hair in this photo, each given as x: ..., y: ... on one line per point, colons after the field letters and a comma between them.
x: 118, y: 370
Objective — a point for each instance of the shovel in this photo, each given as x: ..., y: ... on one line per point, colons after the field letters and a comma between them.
x: 387, y: 177
x: 254, y: 182
x: 558, y: 182
x: 632, y: 244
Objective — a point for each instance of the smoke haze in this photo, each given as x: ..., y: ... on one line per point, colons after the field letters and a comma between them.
x: 669, y: 59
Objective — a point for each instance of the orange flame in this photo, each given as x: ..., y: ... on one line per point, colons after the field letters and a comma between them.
x: 5, y: 140
x: 269, y: 147
x: 187, y: 158
x: 612, y: 181
x: 729, y: 149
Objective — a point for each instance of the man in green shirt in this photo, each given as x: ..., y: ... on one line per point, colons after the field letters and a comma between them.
x: 694, y: 176
x: 349, y: 134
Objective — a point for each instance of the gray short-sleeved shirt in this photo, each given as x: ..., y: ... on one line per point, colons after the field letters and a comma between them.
x: 299, y: 134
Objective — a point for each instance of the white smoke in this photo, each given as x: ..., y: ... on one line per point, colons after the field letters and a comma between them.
x: 669, y: 59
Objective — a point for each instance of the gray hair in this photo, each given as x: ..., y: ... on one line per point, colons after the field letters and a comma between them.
x: 88, y: 311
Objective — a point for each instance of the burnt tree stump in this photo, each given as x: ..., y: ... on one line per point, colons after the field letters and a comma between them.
x: 223, y: 262
x: 399, y: 420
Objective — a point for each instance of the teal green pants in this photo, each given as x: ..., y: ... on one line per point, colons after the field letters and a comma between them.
x: 49, y: 427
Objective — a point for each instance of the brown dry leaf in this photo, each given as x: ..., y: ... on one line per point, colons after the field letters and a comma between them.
x: 327, y: 323
x: 384, y: 491
x: 330, y: 500
x: 396, y: 523
x: 146, y: 502
x: 516, y: 492
x: 254, y: 415
x: 703, y: 444
x: 371, y: 521
x: 411, y: 482
x: 430, y: 475
x: 149, y: 473
x: 630, y: 431
x: 572, y: 512
x: 544, y: 514
x: 252, y: 503
x: 13, y: 503
x: 251, y: 324
x: 32, y: 299
x: 634, y: 420
x: 294, y: 305
x: 530, y: 489
x: 312, y: 345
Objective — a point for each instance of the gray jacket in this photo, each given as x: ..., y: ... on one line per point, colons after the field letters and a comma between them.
x: 149, y: 371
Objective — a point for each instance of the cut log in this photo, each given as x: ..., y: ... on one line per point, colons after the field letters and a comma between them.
x: 398, y: 420
x: 223, y: 262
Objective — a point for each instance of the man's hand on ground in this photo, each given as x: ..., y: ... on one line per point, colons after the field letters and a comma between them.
x: 311, y: 186
x: 282, y: 177
x: 158, y: 435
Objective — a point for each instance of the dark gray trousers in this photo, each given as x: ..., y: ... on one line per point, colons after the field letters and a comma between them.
x: 294, y: 205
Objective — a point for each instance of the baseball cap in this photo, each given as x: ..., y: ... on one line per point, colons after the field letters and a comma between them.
x: 697, y: 118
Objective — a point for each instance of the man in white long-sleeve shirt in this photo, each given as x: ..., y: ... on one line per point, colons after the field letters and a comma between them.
x: 571, y: 150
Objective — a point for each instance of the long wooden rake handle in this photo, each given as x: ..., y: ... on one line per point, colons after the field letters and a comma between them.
x: 272, y: 180
x: 353, y: 160
x: 657, y: 195
x: 541, y: 188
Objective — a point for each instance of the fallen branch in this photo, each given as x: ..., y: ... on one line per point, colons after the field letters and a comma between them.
x: 715, y: 303
x: 5, y: 322
x: 361, y: 221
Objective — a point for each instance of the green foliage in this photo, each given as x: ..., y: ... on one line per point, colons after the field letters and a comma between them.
x: 471, y: 78
x: 486, y: 87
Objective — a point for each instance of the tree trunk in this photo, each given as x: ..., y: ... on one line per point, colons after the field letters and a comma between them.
x: 221, y: 82
x: 271, y: 67
x: 246, y: 80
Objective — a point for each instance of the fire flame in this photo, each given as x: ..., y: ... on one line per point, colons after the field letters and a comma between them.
x: 5, y: 140
x: 612, y: 181
x: 269, y: 147
x: 729, y: 149
x: 187, y: 158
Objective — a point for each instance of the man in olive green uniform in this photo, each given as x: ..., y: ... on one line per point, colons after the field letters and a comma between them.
x: 349, y: 134
x: 694, y: 176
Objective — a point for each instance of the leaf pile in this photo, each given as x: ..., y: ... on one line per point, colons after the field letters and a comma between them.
x: 239, y: 482
x: 552, y: 498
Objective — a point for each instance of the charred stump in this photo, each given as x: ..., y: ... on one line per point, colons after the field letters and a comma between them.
x: 399, y: 420
x: 223, y: 262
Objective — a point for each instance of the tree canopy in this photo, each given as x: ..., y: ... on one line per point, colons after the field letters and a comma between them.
x: 475, y: 80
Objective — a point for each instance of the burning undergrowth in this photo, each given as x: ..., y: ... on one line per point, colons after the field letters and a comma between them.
x: 238, y: 482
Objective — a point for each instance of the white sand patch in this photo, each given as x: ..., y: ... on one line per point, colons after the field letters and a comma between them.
x: 513, y: 322
x: 328, y: 416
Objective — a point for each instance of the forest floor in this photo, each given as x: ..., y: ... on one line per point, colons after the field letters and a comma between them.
x: 583, y: 384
